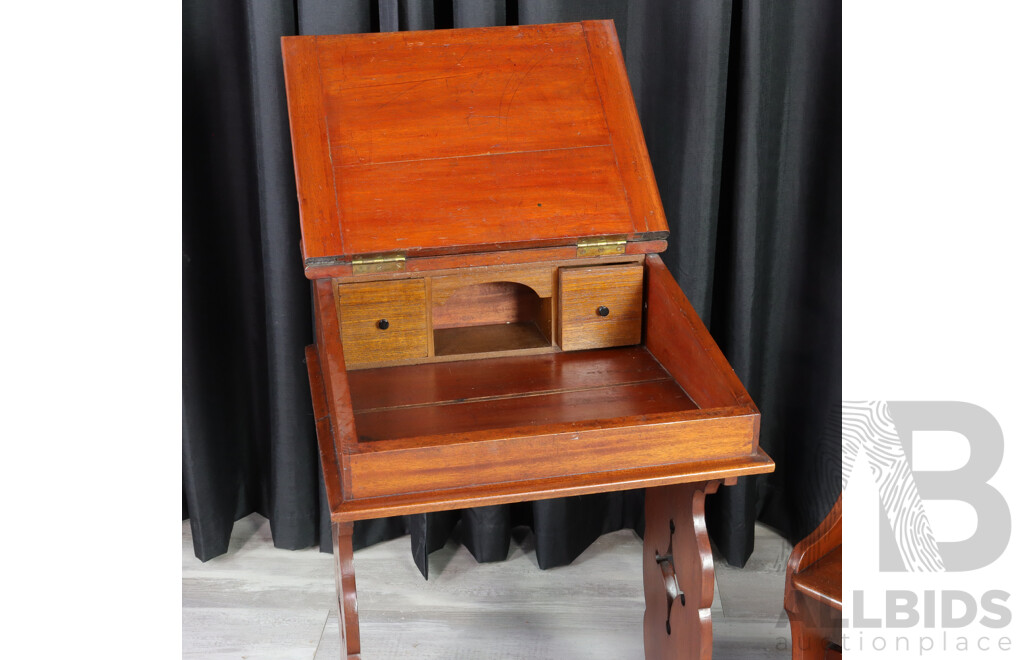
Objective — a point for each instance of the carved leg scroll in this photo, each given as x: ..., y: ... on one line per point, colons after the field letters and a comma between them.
x: 345, y: 582
x: 679, y: 572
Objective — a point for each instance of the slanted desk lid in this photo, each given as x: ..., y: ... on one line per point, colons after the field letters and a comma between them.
x: 470, y: 140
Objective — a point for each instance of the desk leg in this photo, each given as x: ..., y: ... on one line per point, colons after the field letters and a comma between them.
x: 679, y: 572
x: 345, y: 582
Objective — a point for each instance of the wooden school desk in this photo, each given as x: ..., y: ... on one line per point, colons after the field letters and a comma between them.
x: 493, y: 323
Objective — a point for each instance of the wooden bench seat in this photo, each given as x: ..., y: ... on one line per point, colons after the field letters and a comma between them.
x: 814, y: 590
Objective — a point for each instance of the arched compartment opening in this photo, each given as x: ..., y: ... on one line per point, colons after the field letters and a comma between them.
x: 490, y: 317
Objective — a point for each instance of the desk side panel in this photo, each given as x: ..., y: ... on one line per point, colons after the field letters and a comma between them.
x: 678, y: 339
x: 335, y: 378
x: 324, y: 432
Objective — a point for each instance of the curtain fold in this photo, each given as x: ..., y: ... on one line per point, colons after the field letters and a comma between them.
x: 740, y: 105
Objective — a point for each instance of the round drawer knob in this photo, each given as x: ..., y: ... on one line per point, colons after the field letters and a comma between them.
x: 602, y: 311
x: 383, y: 324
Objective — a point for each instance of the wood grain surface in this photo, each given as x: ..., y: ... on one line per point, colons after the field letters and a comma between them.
x: 433, y: 95
x: 468, y: 140
x: 488, y: 304
x: 678, y: 627
x: 676, y: 336
x: 531, y: 423
x: 537, y: 489
x: 634, y: 164
x: 509, y: 337
x: 483, y: 156
x: 430, y: 384
x: 336, y: 393
x: 325, y: 437
x: 823, y: 580
x: 516, y: 198
x: 539, y: 278
x: 537, y: 452
x: 565, y: 407
x: 320, y: 218
x: 362, y: 307
x: 814, y: 588
x: 582, y: 291
x: 345, y: 587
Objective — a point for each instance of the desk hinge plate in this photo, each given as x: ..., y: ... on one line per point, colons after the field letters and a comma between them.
x: 378, y: 263
x: 600, y: 246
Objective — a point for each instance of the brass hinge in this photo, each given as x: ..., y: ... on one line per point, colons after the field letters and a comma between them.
x: 600, y: 246
x: 378, y: 263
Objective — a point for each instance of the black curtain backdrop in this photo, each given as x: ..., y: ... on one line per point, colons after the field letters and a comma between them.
x: 740, y: 105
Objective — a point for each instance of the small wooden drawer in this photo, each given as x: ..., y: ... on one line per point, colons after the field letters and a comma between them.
x: 600, y: 306
x: 382, y: 321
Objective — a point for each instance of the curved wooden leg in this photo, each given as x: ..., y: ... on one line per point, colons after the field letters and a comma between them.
x: 679, y: 572
x: 345, y: 582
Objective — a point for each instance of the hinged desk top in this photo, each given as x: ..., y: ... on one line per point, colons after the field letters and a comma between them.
x: 466, y: 141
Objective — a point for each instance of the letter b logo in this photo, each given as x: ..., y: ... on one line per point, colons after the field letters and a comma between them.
x: 883, y: 431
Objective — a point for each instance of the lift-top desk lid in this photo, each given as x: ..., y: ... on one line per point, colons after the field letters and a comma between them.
x: 458, y: 142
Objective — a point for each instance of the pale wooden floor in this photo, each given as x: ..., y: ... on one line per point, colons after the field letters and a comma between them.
x: 257, y: 602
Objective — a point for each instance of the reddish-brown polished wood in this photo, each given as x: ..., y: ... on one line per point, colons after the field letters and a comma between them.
x: 624, y: 125
x: 508, y: 338
x: 470, y: 140
x: 484, y: 156
x: 364, y: 306
x: 540, y: 279
x: 823, y: 580
x: 488, y: 304
x: 345, y: 584
x: 679, y: 572
x: 504, y: 493
x: 332, y: 362
x: 617, y: 290
x: 678, y: 339
x: 426, y: 384
x: 539, y: 489
x: 314, y: 176
x: 441, y: 94
x: 456, y: 460
x: 522, y: 198
x: 814, y: 588
x: 556, y: 408
x: 329, y: 454
x: 548, y: 432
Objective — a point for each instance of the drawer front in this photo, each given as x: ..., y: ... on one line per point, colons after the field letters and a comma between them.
x: 600, y: 306
x: 382, y: 321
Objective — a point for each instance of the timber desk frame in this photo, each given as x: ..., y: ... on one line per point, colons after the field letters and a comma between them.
x: 492, y: 322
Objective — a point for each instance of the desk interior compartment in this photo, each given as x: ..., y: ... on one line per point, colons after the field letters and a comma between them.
x: 446, y: 425
x: 492, y: 312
